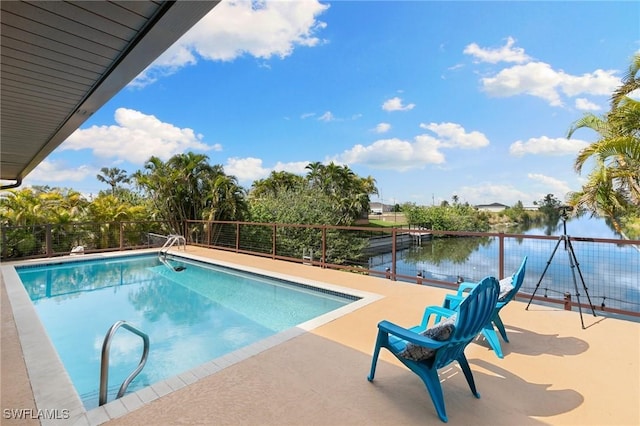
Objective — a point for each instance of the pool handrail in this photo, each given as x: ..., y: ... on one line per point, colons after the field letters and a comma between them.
x: 173, y: 239
x: 104, y: 360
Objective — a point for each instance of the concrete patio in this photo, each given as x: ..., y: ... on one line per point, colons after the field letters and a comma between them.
x: 553, y: 372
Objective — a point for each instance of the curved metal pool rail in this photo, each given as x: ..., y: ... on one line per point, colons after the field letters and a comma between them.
x: 104, y: 362
x: 173, y: 239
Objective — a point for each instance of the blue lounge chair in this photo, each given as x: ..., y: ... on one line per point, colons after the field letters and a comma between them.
x: 436, y: 347
x: 509, y: 287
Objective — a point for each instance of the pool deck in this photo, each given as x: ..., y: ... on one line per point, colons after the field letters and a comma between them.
x: 553, y: 371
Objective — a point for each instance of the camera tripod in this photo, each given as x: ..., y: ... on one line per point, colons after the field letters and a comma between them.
x: 573, y: 262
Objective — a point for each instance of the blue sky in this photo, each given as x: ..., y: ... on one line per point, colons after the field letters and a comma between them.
x: 432, y: 99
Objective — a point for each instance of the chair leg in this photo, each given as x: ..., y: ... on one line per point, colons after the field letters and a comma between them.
x: 500, y: 326
x: 382, y: 336
x: 464, y: 364
x: 491, y: 336
x: 432, y: 381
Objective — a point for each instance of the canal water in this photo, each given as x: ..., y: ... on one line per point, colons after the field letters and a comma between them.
x: 608, y: 274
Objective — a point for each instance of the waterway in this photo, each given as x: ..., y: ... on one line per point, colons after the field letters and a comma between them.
x: 606, y: 273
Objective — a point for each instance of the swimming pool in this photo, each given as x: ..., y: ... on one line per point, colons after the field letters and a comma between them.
x: 191, y: 315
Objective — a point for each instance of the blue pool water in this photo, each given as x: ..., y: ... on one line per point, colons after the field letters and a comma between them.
x: 191, y: 316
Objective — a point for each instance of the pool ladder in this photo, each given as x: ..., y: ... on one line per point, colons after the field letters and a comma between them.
x: 104, y: 363
x: 172, y: 240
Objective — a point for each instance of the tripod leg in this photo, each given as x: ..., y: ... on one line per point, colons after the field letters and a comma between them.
x: 575, y: 283
x: 545, y: 270
x: 584, y: 286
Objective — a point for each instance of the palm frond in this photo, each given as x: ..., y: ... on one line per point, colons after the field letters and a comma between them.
x: 589, y: 121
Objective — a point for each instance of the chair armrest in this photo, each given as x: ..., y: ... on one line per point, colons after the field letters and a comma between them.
x: 438, y: 311
x: 451, y: 301
x: 465, y: 287
x: 409, y: 336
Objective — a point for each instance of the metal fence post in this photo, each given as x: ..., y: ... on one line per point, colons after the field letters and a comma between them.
x: 237, y: 237
x: 324, y: 246
x: 121, y: 236
x: 4, y: 243
x: 48, y: 239
x: 185, y: 227
x: 394, y: 235
x: 273, y: 241
x: 501, y: 255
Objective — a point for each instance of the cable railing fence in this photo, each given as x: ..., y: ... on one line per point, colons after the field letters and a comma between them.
x: 610, y: 268
x: 26, y: 242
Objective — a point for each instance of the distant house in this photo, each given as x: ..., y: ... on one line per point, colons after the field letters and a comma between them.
x: 378, y: 208
x: 493, y: 207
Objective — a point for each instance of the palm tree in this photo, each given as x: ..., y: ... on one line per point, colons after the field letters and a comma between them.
x: 599, y: 197
x: 187, y: 187
x: 63, y: 206
x: 20, y: 207
x: 31, y: 208
x: 225, y: 200
x: 276, y: 182
x: 105, y: 210
x: 157, y: 182
x: 113, y: 176
x: 41, y: 206
x: 348, y: 192
x: 630, y: 81
x: 616, y: 153
x: 314, y: 176
x: 191, y: 185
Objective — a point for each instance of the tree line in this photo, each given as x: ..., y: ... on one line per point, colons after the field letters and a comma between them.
x: 188, y: 187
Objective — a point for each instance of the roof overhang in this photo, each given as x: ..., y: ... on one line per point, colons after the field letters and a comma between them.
x: 61, y: 61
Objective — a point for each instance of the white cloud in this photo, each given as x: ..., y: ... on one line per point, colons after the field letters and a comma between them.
x: 234, y: 28
x: 246, y: 169
x: 452, y: 135
x: 136, y: 137
x: 486, y: 193
x: 506, y: 53
x: 535, y: 78
x: 586, y: 105
x: 395, y: 104
x: 402, y: 155
x: 547, y: 146
x: 382, y: 128
x: 249, y: 169
x: 599, y: 82
x: 171, y: 61
x: 395, y: 154
x: 57, y: 171
x: 552, y: 185
x: 541, y: 80
x: 327, y: 116
x: 297, y: 167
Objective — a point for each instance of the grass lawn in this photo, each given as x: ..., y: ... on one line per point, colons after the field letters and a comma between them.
x: 387, y: 220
